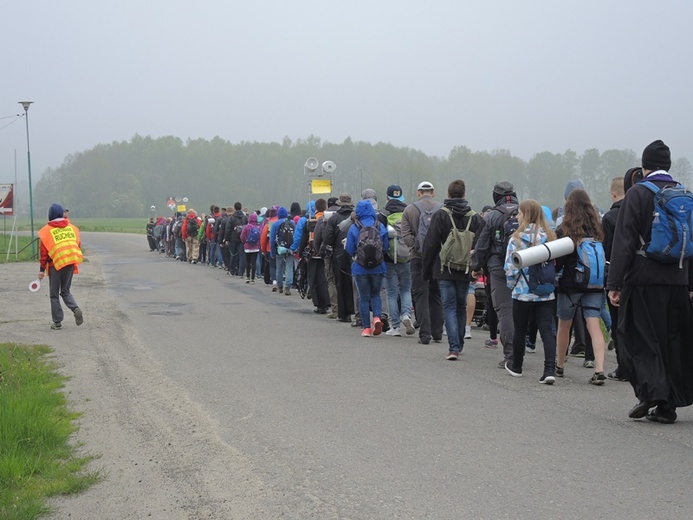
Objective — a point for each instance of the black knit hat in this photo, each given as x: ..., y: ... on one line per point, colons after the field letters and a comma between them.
x: 633, y: 176
x: 656, y: 156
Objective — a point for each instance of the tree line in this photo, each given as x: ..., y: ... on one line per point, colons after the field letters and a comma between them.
x: 126, y: 178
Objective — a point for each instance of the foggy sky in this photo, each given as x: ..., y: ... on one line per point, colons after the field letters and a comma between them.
x: 526, y: 76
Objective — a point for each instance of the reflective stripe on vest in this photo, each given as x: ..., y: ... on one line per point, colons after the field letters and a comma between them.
x: 62, y: 245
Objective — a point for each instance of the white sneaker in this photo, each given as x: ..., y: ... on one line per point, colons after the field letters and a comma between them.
x: 393, y: 331
x: 408, y: 325
x: 468, y: 332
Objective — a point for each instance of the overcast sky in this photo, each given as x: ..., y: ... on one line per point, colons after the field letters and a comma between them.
x: 526, y: 76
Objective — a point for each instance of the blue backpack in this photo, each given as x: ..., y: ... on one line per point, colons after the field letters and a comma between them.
x: 540, y: 278
x: 253, y: 237
x: 672, y: 225
x: 589, y: 271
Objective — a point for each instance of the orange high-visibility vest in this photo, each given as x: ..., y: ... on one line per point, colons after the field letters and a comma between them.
x: 62, y: 244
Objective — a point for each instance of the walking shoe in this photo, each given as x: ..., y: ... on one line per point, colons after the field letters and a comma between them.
x: 613, y: 376
x: 501, y: 364
x: 597, y: 379
x: 530, y: 348
x: 356, y: 322
x: 513, y: 372
x: 611, y: 345
x: 333, y: 315
x: 547, y: 380
x: 252, y: 281
x: 468, y: 332
x: 408, y: 325
x: 385, y: 322
x: 274, y: 288
x: 366, y: 333
x: 79, y: 318
x: 588, y: 363
x: 491, y: 343
x: 640, y: 410
x: 377, y: 326
x: 394, y: 331
x: 247, y: 280
x: 662, y: 415
x: 452, y: 356
x: 424, y: 341
x: 56, y: 325
x: 559, y: 371
x: 287, y: 291
x: 577, y: 351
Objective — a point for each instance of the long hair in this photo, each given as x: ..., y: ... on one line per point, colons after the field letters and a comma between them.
x: 581, y: 219
x: 532, y: 215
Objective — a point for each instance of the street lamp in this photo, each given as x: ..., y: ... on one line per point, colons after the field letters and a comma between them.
x: 26, y: 104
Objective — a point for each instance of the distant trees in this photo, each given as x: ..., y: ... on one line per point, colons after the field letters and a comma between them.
x: 126, y: 178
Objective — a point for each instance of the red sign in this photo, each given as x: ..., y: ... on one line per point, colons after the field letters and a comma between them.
x: 6, y: 199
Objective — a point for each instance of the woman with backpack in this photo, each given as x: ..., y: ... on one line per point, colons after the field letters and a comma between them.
x: 532, y: 290
x: 250, y: 237
x: 366, y: 240
x: 582, y: 280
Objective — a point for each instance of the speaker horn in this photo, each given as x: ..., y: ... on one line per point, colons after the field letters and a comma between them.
x: 311, y: 165
x: 328, y: 167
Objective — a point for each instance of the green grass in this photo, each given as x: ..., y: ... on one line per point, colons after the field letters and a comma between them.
x: 23, y: 248
x: 37, y: 460
x: 111, y: 225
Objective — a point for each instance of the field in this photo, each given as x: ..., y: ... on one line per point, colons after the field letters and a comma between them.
x: 112, y: 225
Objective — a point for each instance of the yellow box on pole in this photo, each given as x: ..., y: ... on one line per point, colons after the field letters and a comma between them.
x: 320, y: 186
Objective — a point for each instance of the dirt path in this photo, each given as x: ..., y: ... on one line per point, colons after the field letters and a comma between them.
x: 159, y: 455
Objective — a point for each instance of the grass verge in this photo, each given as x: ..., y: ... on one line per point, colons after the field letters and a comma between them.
x: 37, y: 460
x: 20, y: 244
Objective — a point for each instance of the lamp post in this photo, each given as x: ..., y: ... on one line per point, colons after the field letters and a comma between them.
x: 26, y: 104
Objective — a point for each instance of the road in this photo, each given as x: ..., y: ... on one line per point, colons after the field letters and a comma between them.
x: 210, y: 398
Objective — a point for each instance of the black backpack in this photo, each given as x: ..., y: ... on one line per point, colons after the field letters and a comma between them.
x: 193, y: 227
x: 507, y: 226
x: 369, y: 249
x: 285, y: 234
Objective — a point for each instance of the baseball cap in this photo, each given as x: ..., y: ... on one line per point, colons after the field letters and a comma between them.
x: 395, y: 192
x: 425, y: 185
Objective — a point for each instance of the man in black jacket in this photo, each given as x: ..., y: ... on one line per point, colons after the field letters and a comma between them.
x: 453, y: 281
x: 334, y: 235
x: 232, y: 236
x: 655, y: 319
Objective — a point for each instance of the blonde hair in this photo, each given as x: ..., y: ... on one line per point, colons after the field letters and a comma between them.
x: 617, y: 186
x: 533, y: 216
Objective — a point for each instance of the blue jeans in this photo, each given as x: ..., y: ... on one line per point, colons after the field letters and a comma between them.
x: 285, y: 268
x: 369, y: 286
x: 454, y: 296
x: 398, y: 283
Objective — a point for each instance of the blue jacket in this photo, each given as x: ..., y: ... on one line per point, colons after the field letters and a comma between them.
x: 298, y: 233
x: 282, y: 215
x: 366, y: 215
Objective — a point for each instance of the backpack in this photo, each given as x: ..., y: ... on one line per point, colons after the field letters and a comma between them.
x: 193, y: 227
x: 507, y: 226
x: 285, y: 234
x: 456, y: 251
x: 424, y: 223
x: 397, y: 249
x: 671, y: 240
x: 253, y: 237
x: 308, y: 236
x: 589, y: 271
x: 178, y: 229
x: 540, y: 278
x: 369, y: 248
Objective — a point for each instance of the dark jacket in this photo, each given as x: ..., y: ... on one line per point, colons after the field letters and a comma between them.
x: 334, y: 234
x: 392, y: 206
x: 567, y: 265
x: 234, y: 226
x: 490, y: 256
x: 609, y: 225
x: 635, y: 221
x: 438, y: 232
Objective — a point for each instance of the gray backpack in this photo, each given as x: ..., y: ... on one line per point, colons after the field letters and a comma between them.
x: 424, y: 223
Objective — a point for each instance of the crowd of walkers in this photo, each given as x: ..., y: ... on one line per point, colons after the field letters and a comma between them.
x: 407, y: 269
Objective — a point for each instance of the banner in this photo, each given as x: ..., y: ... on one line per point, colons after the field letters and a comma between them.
x: 6, y: 199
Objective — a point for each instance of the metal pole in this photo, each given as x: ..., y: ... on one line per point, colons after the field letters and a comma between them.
x: 26, y: 104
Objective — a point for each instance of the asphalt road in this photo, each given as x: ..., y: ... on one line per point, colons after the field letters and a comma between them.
x: 338, y: 426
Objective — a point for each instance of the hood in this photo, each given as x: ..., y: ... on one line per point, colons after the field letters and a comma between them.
x: 282, y: 213
x: 394, y: 206
x: 528, y: 235
x: 365, y: 210
x: 457, y: 206
x: 252, y: 218
x: 55, y: 211
x: 310, y: 209
x: 575, y: 184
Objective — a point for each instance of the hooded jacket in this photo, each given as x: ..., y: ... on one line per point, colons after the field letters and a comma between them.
x: 514, y: 279
x: 282, y: 215
x: 301, y: 224
x: 489, y: 255
x: 365, y: 213
x: 438, y: 232
x: 252, y: 222
x: 392, y: 206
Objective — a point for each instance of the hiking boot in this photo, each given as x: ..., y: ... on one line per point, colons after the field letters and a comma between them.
x: 452, y: 356
x: 366, y: 333
x: 468, y: 332
x: 597, y: 379
x: 394, y: 331
x: 287, y: 291
x: 79, y: 319
x: 588, y: 364
x: 56, y: 325
x: 377, y: 326
x: 408, y: 325
x: 491, y: 343
x: 512, y: 371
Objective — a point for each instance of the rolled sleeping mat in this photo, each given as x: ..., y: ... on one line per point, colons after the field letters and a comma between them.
x: 543, y: 252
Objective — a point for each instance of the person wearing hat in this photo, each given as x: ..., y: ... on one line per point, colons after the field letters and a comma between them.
x: 334, y: 238
x: 428, y: 305
x: 60, y: 255
x: 491, y: 247
x: 655, y: 318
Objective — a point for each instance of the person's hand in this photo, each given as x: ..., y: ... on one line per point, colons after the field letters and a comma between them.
x: 41, y: 275
x: 477, y: 274
x: 614, y: 297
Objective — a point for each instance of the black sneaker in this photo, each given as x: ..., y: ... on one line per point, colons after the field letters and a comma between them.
x: 515, y: 372
x: 560, y: 371
x: 577, y: 351
x: 613, y: 376
x: 662, y: 415
x: 597, y: 379
x: 547, y: 380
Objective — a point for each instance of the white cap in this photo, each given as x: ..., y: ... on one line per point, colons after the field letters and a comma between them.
x: 425, y: 185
